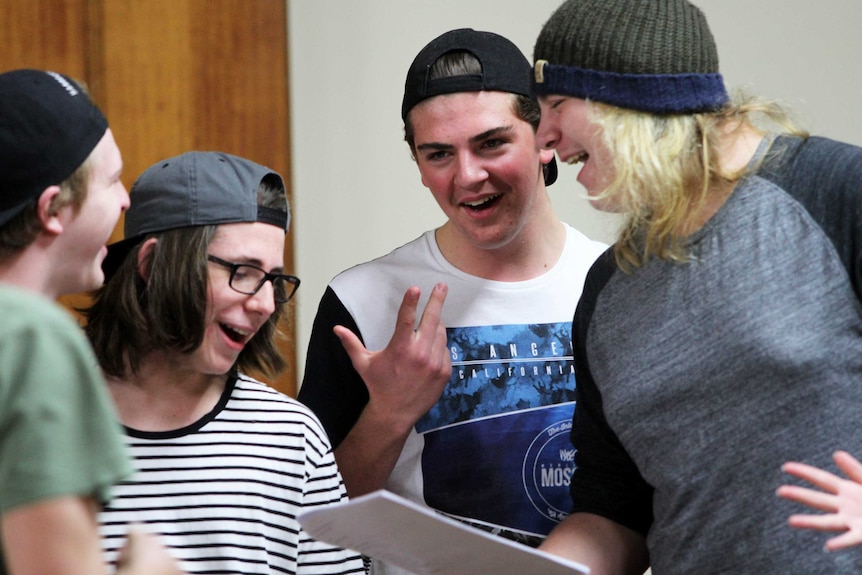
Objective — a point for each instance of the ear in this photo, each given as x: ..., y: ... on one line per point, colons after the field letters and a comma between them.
x: 48, y: 213
x: 144, y: 258
x: 546, y: 155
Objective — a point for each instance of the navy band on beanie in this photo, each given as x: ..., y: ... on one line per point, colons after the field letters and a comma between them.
x: 656, y: 93
x: 655, y: 56
x: 48, y: 127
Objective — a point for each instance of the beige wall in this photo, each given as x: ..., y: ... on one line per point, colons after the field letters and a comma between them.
x: 357, y: 193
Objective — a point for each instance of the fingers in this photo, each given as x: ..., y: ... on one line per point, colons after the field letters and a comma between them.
x: 822, y: 479
x: 430, y: 323
x: 815, y: 499
x: 406, y: 320
x: 849, y: 465
x: 427, y: 340
x: 430, y: 326
x: 844, y: 540
x: 829, y: 522
x: 352, y: 345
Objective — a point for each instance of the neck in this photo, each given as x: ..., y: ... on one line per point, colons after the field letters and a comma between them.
x: 532, y: 252
x: 164, y: 395
x: 738, y: 145
x: 28, y: 270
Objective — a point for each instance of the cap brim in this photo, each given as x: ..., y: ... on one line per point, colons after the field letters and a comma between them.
x: 550, y: 171
x: 7, y: 214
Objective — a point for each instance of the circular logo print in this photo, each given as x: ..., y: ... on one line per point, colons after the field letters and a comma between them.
x: 547, y: 472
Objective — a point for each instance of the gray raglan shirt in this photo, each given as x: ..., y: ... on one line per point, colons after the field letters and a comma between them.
x: 696, y: 381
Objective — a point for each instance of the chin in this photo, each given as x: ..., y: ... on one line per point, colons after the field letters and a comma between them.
x: 92, y: 282
x: 605, y: 204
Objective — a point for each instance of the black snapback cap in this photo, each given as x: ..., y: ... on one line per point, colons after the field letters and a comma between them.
x: 48, y: 127
x: 504, y: 69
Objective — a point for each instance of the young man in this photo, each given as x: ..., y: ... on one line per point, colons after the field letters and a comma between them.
x: 720, y: 337
x: 470, y: 419
x: 60, y: 448
x: 224, y: 464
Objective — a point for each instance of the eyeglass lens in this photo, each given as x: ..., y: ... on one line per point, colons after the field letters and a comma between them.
x: 249, y: 279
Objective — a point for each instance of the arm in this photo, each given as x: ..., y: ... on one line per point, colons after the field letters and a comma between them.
x: 53, y: 536
x: 612, y: 503
x: 607, y: 548
x: 60, y: 536
x: 841, y: 499
x: 404, y: 380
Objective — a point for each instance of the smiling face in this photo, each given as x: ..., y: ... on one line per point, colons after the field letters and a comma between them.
x: 233, y: 318
x: 482, y: 164
x: 566, y: 126
x: 87, y: 230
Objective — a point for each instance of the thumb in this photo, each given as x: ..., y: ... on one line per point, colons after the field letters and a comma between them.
x: 353, y: 346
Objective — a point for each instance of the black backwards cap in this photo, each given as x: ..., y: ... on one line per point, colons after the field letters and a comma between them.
x: 194, y: 189
x: 655, y: 56
x: 504, y: 69
x: 48, y: 127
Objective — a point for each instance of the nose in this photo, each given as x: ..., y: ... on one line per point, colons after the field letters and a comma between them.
x: 469, y: 171
x: 262, y: 302
x: 548, y: 134
x: 124, y: 198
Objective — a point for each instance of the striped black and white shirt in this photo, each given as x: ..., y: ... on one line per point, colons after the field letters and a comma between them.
x: 224, y: 493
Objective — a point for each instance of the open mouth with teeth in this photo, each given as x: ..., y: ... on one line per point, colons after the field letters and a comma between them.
x: 578, y: 158
x: 236, y: 335
x: 484, y: 203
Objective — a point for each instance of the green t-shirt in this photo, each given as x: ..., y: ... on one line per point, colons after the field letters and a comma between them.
x: 59, y: 434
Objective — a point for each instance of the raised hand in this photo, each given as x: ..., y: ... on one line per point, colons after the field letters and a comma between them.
x: 405, y: 378
x: 840, y: 498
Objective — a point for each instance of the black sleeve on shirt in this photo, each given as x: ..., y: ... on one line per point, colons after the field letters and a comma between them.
x: 606, y: 481
x: 825, y: 176
x: 331, y: 387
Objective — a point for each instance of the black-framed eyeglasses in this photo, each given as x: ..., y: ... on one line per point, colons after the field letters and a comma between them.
x: 248, y: 279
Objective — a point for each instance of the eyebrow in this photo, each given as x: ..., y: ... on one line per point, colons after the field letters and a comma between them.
x: 252, y: 261
x: 473, y: 140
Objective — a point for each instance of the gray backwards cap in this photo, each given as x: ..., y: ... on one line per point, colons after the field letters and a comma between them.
x: 194, y: 189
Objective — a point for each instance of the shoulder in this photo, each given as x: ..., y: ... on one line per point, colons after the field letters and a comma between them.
x: 369, y: 292
x: 23, y: 307
x: 578, y: 242
x: 416, y: 251
x: 30, y: 319
x: 255, y: 395
x: 801, y: 165
x: 597, y: 278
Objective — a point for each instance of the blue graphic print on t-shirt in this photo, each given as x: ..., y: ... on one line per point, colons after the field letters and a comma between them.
x: 497, y: 444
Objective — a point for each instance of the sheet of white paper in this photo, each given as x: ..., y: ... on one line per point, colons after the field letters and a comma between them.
x: 391, y: 528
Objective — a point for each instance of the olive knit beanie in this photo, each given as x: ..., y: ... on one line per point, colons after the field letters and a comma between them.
x: 655, y: 56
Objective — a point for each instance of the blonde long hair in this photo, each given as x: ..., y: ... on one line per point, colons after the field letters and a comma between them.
x: 666, y: 167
